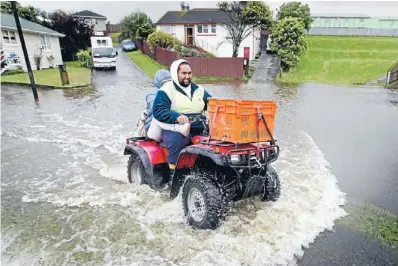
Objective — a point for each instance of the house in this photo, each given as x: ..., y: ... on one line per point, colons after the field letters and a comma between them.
x: 38, y: 40
x: 91, y: 18
x: 353, y: 24
x: 203, y: 27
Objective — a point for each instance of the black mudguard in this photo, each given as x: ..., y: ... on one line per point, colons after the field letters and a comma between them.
x: 179, y: 174
x: 143, y: 155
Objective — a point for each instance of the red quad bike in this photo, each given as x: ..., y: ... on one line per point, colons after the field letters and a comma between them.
x: 212, y: 173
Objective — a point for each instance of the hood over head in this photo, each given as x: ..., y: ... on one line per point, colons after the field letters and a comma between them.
x: 174, y: 70
x: 161, y: 76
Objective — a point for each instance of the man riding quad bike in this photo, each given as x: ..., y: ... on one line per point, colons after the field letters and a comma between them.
x: 218, y: 163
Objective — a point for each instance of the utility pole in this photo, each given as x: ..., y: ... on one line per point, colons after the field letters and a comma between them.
x: 25, y: 52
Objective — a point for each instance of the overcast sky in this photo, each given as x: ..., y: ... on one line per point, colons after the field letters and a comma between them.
x: 115, y: 10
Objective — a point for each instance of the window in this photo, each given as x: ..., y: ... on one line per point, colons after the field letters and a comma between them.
x: 168, y: 29
x: 337, y: 22
x: 327, y: 22
x: 207, y: 29
x: 391, y: 22
x: 9, y: 37
x: 45, y: 41
x: 361, y: 22
x: 317, y: 22
x: 101, y: 42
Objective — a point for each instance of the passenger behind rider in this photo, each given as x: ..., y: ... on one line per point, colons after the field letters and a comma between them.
x: 174, y: 102
x: 148, y: 126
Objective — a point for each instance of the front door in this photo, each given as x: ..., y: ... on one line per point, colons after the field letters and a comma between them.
x: 188, y: 36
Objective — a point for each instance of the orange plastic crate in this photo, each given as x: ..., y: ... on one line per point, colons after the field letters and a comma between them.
x: 236, y: 120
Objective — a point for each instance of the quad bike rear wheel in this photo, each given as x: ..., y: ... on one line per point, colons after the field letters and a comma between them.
x: 203, y: 203
x: 135, y: 171
x: 272, y: 187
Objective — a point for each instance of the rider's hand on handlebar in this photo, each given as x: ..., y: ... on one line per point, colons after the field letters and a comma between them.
x: 182, y: 119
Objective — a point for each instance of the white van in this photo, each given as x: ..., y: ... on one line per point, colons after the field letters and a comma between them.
x: 103, y: 53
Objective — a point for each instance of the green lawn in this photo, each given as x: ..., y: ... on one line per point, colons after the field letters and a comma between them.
x: 344, y: 60
x: 77, y: 76
x: 145, y: 63
x: 378, y: 223
x: 150, y: 67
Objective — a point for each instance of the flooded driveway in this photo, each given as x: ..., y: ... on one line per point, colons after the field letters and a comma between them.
x: 66, y: 201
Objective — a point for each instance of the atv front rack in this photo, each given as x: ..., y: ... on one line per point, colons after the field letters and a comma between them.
x: 253, y: 157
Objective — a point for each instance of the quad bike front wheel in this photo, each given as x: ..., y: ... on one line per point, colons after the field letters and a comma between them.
x: 135, y: 171
x: 272, y: 186
x: 203, y: 203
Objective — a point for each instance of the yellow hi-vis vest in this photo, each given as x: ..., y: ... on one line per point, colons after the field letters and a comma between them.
x: 182, y: 103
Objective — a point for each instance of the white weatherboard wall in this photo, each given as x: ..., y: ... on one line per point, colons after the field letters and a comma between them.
x: 33, y: 43
x: 174, y: 30
x: 215, y: 43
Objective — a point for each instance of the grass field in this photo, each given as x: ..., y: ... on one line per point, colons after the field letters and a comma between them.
x: 344, y: 60
x: 77, y: 76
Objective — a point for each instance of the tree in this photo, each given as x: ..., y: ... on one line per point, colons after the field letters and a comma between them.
x: 288, y: 41
x: 243, y: 18
x: 136, y: 25
x: 77, y: 33
x: 296, y: 10
x: 27, y: 12
x: 143, y: 31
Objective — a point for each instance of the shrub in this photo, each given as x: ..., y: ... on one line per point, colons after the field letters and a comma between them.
x: 85, y: 59
x: 208, y: 54
x: 288, y: 40
x: 189, y: 52
x: 163, y: 40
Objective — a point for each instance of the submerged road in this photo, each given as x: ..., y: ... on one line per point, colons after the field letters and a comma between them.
x: 65, y: 198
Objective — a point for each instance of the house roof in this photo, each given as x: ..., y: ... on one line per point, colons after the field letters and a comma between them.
x: 88, y: 13
x: 8, y: 21
x: 194, y: 16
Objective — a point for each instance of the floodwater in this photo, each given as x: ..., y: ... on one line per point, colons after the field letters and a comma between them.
x: 66, y: 201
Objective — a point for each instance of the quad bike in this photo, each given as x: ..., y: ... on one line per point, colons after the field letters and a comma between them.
x: 212, y: 173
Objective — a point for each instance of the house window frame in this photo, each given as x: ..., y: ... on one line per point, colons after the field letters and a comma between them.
x: 206, y: 29
x: 46, y: 46
x: 169, y: 29
x: 8, y: 36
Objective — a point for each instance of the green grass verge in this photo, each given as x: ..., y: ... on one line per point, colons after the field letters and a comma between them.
x: 344, y: 60
x: 50, y: 77
x: 150, y: 67
x: 250, y: 74
x: 374, y: 222
x: 145, y: 63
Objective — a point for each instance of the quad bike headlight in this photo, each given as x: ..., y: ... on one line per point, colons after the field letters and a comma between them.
x: 236, y: 158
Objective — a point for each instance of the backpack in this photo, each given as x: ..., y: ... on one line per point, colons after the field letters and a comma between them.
x: 140, y: 132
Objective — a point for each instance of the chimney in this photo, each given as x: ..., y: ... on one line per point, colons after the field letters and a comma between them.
x: 184, y: 7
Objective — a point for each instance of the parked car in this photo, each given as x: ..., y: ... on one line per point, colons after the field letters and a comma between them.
x: 128, y: 46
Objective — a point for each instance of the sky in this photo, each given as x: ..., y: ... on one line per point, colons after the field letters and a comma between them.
x: 116, y: 10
